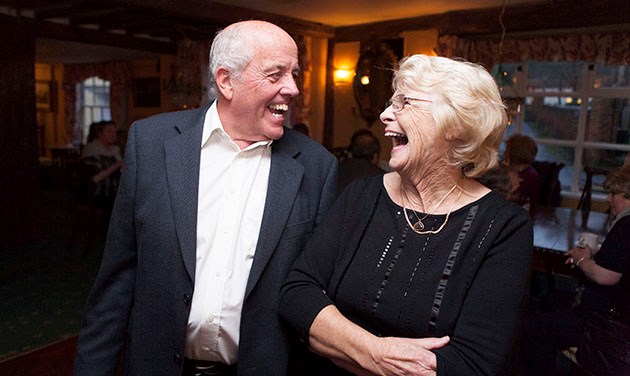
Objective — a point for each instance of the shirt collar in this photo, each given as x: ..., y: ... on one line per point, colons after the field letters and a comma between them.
x: 212, y: 124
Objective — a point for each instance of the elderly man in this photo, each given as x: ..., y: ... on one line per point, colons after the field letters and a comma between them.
x: 214, y: 206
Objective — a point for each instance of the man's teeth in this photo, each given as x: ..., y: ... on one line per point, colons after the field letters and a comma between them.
x: 279, y: 107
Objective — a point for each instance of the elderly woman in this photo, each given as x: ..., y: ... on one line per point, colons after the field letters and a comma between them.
x: 101, y: 163
x: 422, y: 270
x: 606, y: 287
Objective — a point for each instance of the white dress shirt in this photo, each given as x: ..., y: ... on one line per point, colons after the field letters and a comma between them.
x: 232, y: 191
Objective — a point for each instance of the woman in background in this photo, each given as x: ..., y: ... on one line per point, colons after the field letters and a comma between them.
x: 520, y: 153
x: 101, y: 163
x: 606, y: 289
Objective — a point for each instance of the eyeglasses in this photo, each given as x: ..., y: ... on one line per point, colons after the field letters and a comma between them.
x: 398, y: 101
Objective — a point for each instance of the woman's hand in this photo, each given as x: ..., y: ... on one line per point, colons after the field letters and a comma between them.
x: 359, y: 351
x: 578, y: 254
x: 406, y: 356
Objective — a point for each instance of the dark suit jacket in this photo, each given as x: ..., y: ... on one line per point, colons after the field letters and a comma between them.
x: 141, y: 298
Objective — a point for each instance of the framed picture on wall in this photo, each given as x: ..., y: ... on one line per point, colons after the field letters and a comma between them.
x: 146, y: 92
x: 43, y: 96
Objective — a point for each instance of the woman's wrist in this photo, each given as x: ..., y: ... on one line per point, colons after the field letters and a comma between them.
x: 581, y: 261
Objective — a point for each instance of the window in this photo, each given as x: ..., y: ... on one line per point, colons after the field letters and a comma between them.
x: 578, y: 113
x: 92, y: 104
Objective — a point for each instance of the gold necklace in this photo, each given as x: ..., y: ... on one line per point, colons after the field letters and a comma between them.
x: 419, y: 225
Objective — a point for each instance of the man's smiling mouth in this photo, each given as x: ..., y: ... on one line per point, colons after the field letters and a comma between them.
x: 278, y: 109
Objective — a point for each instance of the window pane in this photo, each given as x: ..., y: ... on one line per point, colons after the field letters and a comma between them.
x: 554, y: 77
x: 602, y: 159
x: 506, y: 77
x: 101, y: 96
x: 611, y: 76
x: 608, y: 121
x: 559, y: 154
x: 550, y: 117
x: 88, y: 96
x: 606, y: 159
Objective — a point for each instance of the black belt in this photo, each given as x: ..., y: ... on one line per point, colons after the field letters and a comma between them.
x: 194, y: 367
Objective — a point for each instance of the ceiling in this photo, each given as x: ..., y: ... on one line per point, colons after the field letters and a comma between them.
x: 352, y: 12
x: 72, y: 31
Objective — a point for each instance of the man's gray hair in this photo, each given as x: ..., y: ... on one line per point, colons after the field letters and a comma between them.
x: 230, y: 50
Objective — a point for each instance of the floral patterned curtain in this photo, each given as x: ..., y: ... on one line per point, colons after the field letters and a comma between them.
x: 188, y: 82
x: 119, y: 74
x: 605, y: 48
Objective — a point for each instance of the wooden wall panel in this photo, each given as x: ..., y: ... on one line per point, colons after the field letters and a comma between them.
x: 19, y: 188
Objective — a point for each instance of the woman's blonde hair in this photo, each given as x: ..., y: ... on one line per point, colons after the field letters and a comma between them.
x: 467, y: 107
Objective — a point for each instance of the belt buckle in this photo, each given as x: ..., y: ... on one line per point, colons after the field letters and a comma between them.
x: 210, y: 370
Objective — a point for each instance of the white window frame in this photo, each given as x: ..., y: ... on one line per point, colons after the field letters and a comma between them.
x: 82, y: 106
x: 585, y: 90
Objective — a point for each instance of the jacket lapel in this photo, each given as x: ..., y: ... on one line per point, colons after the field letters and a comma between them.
x: 285, y: 177
x: 182, y: 173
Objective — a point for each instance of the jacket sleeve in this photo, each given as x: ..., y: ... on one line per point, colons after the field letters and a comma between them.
x: 104, y: 328
x: 305, y: 292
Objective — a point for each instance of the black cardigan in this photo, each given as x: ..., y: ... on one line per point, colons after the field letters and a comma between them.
x: 484, y: 286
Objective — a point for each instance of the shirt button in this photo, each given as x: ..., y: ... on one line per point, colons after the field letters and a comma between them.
x: 205, y: 348
x: 210, y: 319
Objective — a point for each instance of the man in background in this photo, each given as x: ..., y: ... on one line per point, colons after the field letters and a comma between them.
x: 365, y: 150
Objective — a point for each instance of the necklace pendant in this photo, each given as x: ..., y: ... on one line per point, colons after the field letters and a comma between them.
x: 418, y: 226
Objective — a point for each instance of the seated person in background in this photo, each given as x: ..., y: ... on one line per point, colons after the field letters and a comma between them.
x: 101, y: 162
x: 520, y: 153
x: 420, y: 271
x: 606, y: 287
x: 365, y: 151
x: 502, y: 179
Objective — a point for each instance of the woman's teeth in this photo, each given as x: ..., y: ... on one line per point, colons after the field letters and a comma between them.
x: 398, y: 138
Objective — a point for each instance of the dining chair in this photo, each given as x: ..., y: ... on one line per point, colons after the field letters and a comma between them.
x: 585, y: 202
x: 549, y: 173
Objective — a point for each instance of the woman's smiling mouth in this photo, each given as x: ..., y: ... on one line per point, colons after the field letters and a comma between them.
x: 398, y: 139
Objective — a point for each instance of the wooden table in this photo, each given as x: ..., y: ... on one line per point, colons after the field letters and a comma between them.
x: 557, y: 229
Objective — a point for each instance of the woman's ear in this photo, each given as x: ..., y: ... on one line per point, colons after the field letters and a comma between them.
x: 224, y: 83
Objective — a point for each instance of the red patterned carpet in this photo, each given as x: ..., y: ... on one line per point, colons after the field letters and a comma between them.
x: 52, y: 360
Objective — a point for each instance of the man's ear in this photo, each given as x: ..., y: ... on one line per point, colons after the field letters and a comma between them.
x: 224, y: 83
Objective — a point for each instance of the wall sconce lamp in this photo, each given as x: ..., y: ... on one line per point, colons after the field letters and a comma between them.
x: 343, y: 76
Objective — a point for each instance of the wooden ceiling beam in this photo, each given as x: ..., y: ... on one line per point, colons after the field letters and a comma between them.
x: 559, y: 14
x: 76, y: 34
x: 224, y: 15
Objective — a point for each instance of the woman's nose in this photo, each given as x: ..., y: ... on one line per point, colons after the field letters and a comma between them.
x: 387, y: 115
